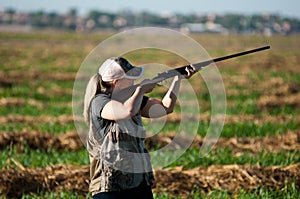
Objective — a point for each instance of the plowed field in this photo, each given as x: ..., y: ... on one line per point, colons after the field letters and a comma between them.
x: 256, y: 156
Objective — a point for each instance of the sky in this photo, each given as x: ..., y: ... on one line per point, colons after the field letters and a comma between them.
x: 289, y: 8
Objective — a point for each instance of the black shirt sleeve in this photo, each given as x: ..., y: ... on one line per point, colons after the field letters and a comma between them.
x: 144, y: 102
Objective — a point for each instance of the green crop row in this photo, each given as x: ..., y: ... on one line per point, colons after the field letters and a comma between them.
x: 289, y: 191
x: 35, y: 158
x: 50, y: 127
x: 52, y: 108
x: 224, y: 156
x: 243, y: 104
x: 246, y: 129
x: 191, y: 158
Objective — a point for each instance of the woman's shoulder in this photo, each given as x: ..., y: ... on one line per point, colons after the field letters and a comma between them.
x: 101, y: 98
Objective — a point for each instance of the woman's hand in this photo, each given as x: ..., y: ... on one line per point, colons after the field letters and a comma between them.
x: 147, y: 85
x: 190, y: 70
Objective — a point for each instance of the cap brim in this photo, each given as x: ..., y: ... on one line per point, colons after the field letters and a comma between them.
x: 135, y: 73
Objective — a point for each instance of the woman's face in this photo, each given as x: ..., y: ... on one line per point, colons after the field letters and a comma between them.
x: 123, y: 83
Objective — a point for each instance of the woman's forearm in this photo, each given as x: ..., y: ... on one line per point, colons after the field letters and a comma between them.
x: 169, y: 100
x: 133, y: 104
x: 135, y: 101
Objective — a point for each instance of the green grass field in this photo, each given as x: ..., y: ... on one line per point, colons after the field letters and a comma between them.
x: 37, y: 74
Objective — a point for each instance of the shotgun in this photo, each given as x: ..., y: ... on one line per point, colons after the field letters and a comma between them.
x: 198, y: 66
x: 124, y: 94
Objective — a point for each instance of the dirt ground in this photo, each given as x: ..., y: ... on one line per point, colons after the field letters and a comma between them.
x: 274, y: 93
x: 227, y: 177
x: 71, y: 141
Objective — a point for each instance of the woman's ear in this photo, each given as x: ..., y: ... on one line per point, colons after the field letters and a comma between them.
x: 115, y: 82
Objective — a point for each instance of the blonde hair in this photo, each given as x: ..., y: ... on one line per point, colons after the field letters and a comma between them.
x: 93, y: 87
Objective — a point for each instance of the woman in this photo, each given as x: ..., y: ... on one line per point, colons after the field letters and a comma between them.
x: 119, y: 163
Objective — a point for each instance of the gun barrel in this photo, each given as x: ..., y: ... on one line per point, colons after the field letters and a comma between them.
x: 198, y: 66
x: 241, y: 53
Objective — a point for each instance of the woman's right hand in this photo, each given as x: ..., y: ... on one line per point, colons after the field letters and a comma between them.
x: 147, y: 85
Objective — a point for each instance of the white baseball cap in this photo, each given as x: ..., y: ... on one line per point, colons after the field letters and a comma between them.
x: 116, y: 68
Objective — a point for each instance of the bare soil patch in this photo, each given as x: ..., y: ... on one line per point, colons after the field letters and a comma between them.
x: 14, y: 118
x: 289, y: 141
x: 39, y: 140
x: 277, y: 93
x: 16, y: 182
x: 227, y: 177
x: 71, y: 141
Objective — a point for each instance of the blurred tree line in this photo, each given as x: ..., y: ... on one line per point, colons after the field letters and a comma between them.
x: 97, y: 20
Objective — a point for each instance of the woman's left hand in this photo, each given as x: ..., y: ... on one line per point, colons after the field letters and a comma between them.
x: 190, y: 70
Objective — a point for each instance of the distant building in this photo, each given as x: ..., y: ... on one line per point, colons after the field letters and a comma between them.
x: 209, y: 27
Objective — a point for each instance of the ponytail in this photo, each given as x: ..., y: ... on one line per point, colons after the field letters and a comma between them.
x: 93, y: 88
